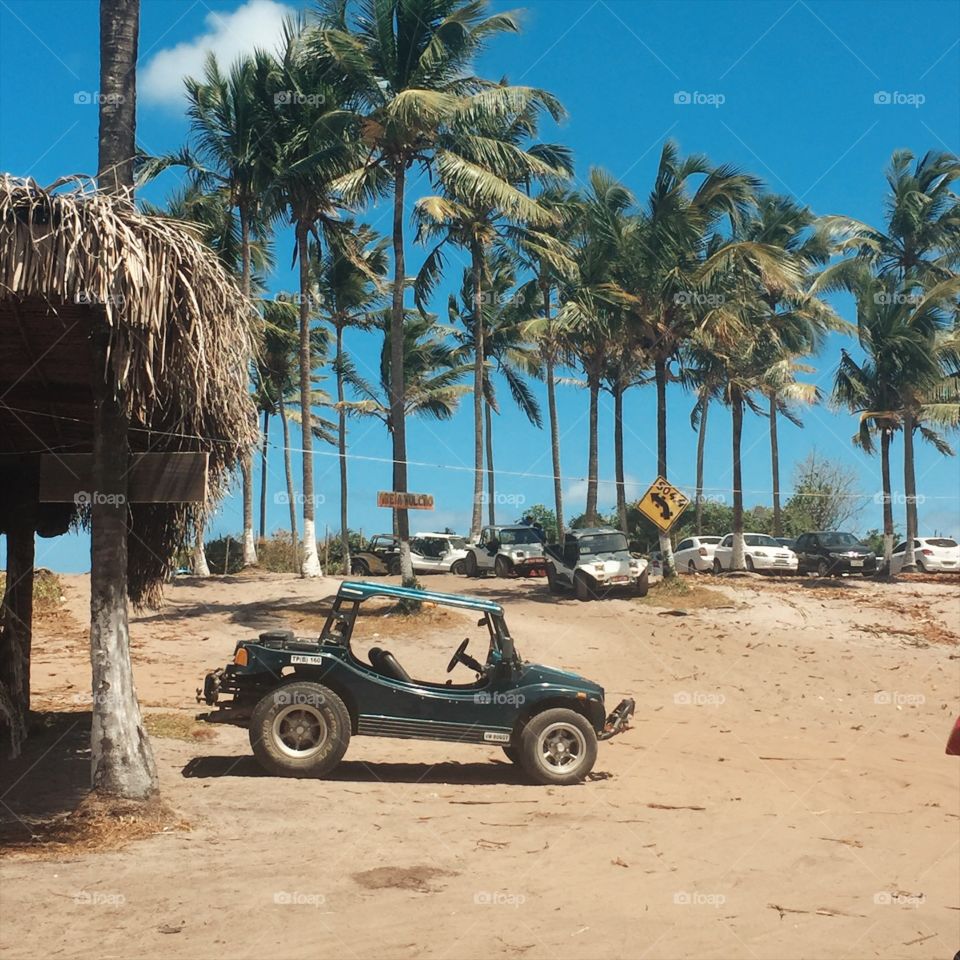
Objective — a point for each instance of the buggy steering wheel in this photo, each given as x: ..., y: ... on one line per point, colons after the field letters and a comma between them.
x: 460, y: 656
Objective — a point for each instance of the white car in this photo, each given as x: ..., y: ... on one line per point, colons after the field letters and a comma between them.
x: 932, y: 554
x: 438, y: 553
x: 760, y: 552
x: 695, y: 554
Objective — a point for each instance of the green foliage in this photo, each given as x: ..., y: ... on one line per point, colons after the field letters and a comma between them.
x: 545, y: 517
x: 224, y: 555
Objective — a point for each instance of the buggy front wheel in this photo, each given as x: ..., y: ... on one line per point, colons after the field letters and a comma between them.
x: 558, y: 746
x: 300, y: 730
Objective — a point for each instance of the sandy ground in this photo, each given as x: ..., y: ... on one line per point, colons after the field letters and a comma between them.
x: 783, y: 793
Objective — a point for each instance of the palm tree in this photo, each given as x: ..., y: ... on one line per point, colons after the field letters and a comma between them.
x: 781, y: 223
x: 227, y: 122
x: 122, y: 762
x: 409, y: 62
x: 433, y: 369
x: 546, y: 254
x: 350, y: 287
x: 213, y: 212
x: 690, y: 198
x: 593, y: 303
x: 783, y: 393
x: 495, y: 142
x: 506, y: 350
x: 917, y: 244
x: 311, y: 147
x: 905, y: 376
x: 277, y: 377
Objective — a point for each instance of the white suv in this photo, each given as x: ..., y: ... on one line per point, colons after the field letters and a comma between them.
x: 695, y: 554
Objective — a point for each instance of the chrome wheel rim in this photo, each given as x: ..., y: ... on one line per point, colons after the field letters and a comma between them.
x: 561, y: 747
x: 299, y: 731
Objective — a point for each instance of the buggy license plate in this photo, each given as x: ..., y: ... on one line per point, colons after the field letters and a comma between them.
x: 856, y: 563
x: 619, y: 579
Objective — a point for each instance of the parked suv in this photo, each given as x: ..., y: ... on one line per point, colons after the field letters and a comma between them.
x: 833, y: 553
x: 513, y: 550
x: 593, y: 562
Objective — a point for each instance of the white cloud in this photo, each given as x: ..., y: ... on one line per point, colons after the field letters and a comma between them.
x: 257, y: 23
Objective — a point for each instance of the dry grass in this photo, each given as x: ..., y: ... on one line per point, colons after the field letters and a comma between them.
x: 177, y: 726
x: 47, y: 591
x: 96, y: 826
x: 677, y: 593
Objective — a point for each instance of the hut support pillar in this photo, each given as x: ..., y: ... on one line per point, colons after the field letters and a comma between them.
x: 123, y: 764
x: 17, y: 622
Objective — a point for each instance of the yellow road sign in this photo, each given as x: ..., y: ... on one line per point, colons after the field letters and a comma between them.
x: 663, y: 504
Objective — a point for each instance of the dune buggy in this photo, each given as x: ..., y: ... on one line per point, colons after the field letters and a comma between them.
x: 303, y: 699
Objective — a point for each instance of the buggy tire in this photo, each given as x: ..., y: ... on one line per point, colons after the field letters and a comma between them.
x: 359, y: 568
x: 300, y: 729
x: 558, y: 746
x: 393, y: 567
x: 553, y: 584
x: 470, y: 567
x: 502, y: 567
x: 643, y: 584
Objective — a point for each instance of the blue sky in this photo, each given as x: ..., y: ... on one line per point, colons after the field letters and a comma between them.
x: 785, y: 90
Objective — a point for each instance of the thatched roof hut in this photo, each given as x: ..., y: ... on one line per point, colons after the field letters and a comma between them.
x: 83, y: 274
x: 180, y: 348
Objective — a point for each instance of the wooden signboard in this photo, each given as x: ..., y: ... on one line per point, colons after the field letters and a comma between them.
x: 405, y: 501
x: 153, y: 478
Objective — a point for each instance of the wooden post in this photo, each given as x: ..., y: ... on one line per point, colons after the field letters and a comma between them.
x: 17, y: 619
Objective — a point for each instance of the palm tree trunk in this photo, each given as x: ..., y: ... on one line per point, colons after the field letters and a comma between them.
x: 737, y: 558
x: 885, y: 437
x: 397, y: 381
x: 263, y: 475
x: 701, y: 445
x: 909, y: 491
x: 246, y: 462
x: 200, y: 566
x: 476, y: 520
x: 775, y: 468
x: 491, y: 483
x: 309, y: 560
x: 593, y: 463
x: 660, y: 375
x: 618, y: 456
x: 122, y: 760
x: 342, y: 450
x: 288, y: 471
x: 554, y: 423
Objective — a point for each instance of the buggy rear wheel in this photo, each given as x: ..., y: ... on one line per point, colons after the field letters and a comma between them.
x: 300, y: 729
x: 558, y: 746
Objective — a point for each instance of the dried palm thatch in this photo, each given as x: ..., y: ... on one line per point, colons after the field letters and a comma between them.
x: 180, y: 344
